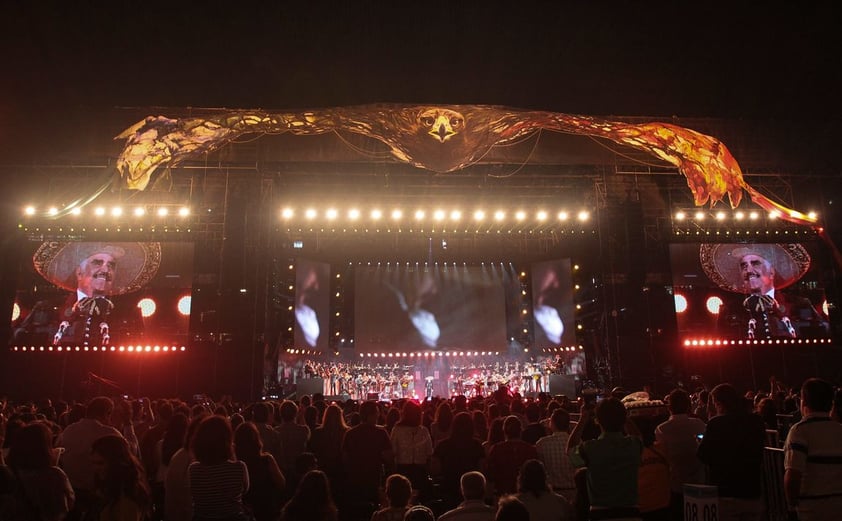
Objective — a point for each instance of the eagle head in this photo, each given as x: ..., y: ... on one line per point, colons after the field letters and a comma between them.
x: 441, y: 123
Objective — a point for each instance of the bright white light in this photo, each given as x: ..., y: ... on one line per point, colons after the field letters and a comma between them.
x: 331, y: 213
x: 310, y: 213
x: 139, y: 211
x: 739, y: 216
x: 29, y: 210
x: 774, y: 215
x: 753, y: 216
x: 117, y: 211
x: 163, y: 212
x: 499, y: 215
x: 76, y: 211
x: 147, y: 307
x: 184, y: 211
x: 353, y: 214
x: 713, y: 305
x: 455, y: 215
x: 720, y: 216
x: 583, y: 216
x: 376, y: 214
x: 680, y: 303
x: 15, y: 311
x: 812, y: 216
x: 397, y: 214
x: 562, y: 216
x: 679, y: 216
x: 479, y: 215
x: 99, y: 211
x: 520, y: 215
x: 183, y: 305
x: 700, y: 216
x: 52, y: 211
x: 542, y: 215
x: 287, y: 213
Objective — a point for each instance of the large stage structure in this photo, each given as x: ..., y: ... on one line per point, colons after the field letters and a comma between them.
x: 264, y: 212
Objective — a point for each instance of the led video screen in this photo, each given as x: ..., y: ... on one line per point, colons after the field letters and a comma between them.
x: 756, y: 291
x: 552, y: 304
x: 104, y: 294
x: 411, y: 308
x: 312, y: 301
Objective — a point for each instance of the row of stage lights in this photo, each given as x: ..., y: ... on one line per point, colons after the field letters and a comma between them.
x: 709, y: 342
x: 430, y: 354
x: 120, y: 349
x: 713, y: 304
x: 147, y: 306
x: 114, y: 211
x: 739, y: 215
x: 562, y: 349
x: 439, y: 215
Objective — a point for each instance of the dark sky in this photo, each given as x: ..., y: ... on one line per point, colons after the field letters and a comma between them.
x: 718, y: 59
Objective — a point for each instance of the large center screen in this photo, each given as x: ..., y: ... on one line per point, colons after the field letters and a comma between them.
x: 552, y: 304
x: 429, y: 308
x: 749, y: 291
x: 88, y: 294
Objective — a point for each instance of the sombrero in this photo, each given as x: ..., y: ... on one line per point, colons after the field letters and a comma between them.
x: 721, y: 263
x: 137, y: 262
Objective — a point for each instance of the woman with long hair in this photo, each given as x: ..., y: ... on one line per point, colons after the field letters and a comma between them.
x: 178, y: 503
x: 42, y: 488
x: 455, y: 455
x: 326, y: 443
x: 534, y: 492
x: 312, y: 500
x: 440, y: 428
x: 495, y: 435
x: 412, y: 446
x: 120, y: 481
x: 266, y: 482
x: 217, y: 480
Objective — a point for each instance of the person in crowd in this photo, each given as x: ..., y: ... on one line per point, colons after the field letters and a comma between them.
x: 678, y: 437
x: 472, y: 508
x: 293, y: 438
x: 178, y: 503
x: 534, y: 430
x: 552, y: 452
x: 495, y: 435
x: 311, y: 414
x: 412, y: 447
x: 767, y: 410
x: 312, y: 500
x: 398, y: 496
x: 36, y: 487
x: 813, y: 457
x: 120, y: 481
x: 456, y: 455
x: 510, y: 508
x: 612, y: 460
x: 217, y: 481
x: 262, y: 415
x: 506, y: 457
x: 154, y: 434
x: 534, y: 492
x: 172, y: 440
x: 480, y: 425
x: 419, y: 513
x: 732, y: 449
x: 266, y: 482
x: 326, y: 443
x: 366, y: 449
x: 77, y: 440
x: 440, y: 428
x: 836, y: 409
x: 653, y: 478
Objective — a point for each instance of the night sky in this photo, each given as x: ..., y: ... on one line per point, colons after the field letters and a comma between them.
x: 714, y: 59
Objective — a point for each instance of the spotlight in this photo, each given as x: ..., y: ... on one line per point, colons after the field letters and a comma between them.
x: 310, y: 213
x: 99, y: 211
x: 562, y: 216
x: 720, y: 216
x: 583, y: 216
x: 76, y: 211
x: 679, y: 216
x: 542, y: 215
x: 397, y: 214
x: 353, y: 214
x: 812, y: 216
x: 739, y: 216
x: 753, y: 216
x: 117, y: 211
x: 287, y: 213
x: 183, y: 211
x: 499, y: 215
x: 163, y: 212
x: 147, y: 307
x: 438, y: 215
x: 455, y: 215
x: 331, y: 214
x: 29, y: 210
x: 419, y: 214
x: 713, y: 305
x: 139, y: 211
x: 700, y: 216
x: 520, y: 215
x: 52, y: 211
x: 680, y: 303
x: 183, y: 305
x: 479, y: 215
x: 376, y: 214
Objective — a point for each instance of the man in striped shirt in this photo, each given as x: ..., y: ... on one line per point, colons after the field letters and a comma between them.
x: 813, y: 456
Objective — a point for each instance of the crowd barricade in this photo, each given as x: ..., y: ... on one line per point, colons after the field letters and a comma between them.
x: 773, y: 484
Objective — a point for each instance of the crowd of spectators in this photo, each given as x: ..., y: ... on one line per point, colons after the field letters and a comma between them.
x: 617, y: 457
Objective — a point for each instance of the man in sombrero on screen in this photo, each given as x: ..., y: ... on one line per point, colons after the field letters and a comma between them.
x: 758, y: 272
x: 95, y: 273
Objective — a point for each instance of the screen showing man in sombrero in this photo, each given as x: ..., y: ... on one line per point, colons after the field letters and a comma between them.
x: 749, y: 290
x: 104, y: 293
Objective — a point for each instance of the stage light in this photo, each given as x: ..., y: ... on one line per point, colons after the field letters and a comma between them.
x: 455, y: 215
x: 29, y: 210
x: 541, y: 215
x: 376, y: 214
x: 583, y: 215
x: 753, y: 216
x: 331, y: 214
x: 700, y: 216
x: 147, y: 307
x: 679, y: 216
x: 139, y: 211
x: 15, y: 311
x: 353, y: 214
x: 438, y: 215
x: 76, y: 211
x: 52, y: 211
x: 117, y: 211
x: 183, y: 305
x: 479, y: 215
x: 183, y: 211
x: 520, y: 215
x: 163, y: 212
x: 720, y: 216
x: 310, y: 213
x: 713, y: 305
x: 287, y: 213
x: 99, y: 211
x: 499, y: 215
x: 397, y: 214
x: 812, y: 216
x: 680, y: 303
x: 419, y: 214
x: 774, y: 215
x: 739, y: 216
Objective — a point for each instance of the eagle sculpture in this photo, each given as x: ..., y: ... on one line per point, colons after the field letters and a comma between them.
x: 441, y: 138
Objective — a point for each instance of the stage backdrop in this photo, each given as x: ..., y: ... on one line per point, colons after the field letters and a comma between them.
x: 312, y: 304
x: 712, y: 284
x: 552, y: 304
x: 146, y: 288
x: 413, y: 308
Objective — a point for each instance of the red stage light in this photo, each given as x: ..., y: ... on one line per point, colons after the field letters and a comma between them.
x: 713, y: 305
x: 147, y: 307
